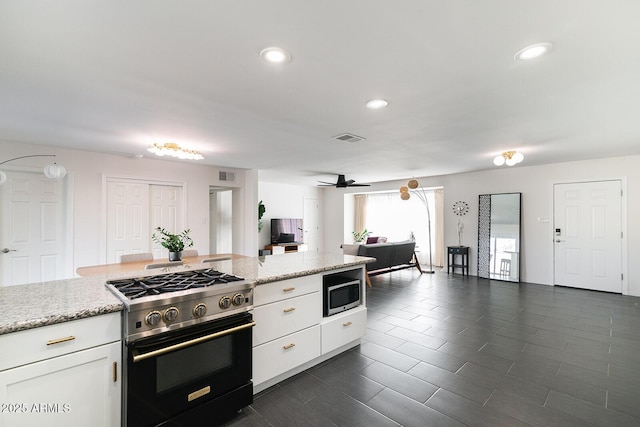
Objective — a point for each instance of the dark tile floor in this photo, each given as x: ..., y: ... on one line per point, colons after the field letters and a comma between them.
x: 450, y: 350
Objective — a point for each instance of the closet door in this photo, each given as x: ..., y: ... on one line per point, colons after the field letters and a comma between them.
x: 134, y: 209
x: 128, y: 230
x: 166, y: 212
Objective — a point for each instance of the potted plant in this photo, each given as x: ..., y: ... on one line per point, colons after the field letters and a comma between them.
x: 359, y: 237
x: 175, y: 243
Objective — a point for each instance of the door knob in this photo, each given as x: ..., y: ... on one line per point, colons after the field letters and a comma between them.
x: 7, y: 250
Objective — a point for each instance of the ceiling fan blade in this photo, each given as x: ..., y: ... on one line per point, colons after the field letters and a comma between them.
x: 359, y: 185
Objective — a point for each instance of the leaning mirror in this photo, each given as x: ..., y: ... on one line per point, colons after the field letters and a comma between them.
x: 499, y: 236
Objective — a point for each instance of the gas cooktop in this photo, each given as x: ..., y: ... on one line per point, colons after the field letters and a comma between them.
x: 137, y: 287
x: 160, y: 303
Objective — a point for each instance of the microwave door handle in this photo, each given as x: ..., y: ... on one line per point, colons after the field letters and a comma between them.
x: 140, y: 357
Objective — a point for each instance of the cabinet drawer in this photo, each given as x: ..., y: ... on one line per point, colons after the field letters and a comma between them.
x: 279, y: 356
x: 270, y: 292
x: 343, y: 328
x: 458, y: 250
x: 284, y: 317
x: 20, y: 348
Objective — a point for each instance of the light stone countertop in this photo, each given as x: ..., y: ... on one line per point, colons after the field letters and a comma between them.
x: 40, y: 304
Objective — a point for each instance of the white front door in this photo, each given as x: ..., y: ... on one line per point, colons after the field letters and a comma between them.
x: 588, y: 235
x: 32, y: 246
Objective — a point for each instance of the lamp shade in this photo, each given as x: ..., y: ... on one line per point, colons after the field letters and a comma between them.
x: 55, y: 171
x: 498, y: 160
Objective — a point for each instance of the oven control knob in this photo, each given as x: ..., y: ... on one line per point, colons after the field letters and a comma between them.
x: 171, y: 314
x: 199, y: 310
x: 153, y: 318
x: 225, y: 302
x: 237, y: 299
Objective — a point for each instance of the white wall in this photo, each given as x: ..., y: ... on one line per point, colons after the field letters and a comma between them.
x: 536, y: 185
x: 87, y: 171
x: 286, y: 201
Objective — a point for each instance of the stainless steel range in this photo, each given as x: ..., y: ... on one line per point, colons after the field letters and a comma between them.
x: 188, y: 339
x: 157, y: 304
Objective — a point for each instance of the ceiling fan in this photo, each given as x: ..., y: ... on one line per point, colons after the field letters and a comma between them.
x: 342, y: 183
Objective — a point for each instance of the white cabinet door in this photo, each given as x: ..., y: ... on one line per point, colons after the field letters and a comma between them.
x: 77, y: 389
x: 343, y: 328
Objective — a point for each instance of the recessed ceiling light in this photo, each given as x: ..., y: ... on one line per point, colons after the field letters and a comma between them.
x: 275, y: 55
x: 533, y: 51
x: 376, y: 104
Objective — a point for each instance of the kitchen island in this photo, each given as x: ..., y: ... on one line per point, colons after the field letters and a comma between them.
x: 40, y: 304
x: 60, y: 338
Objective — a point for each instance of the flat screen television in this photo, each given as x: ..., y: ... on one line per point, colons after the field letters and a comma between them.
x: 286, y: 230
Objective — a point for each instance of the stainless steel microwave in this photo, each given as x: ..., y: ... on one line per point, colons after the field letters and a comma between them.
x: 340, y: 295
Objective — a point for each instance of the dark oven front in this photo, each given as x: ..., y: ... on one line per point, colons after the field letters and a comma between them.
x: 196, y: 375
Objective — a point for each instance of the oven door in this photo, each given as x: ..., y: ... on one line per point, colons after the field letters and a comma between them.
x: 189, y: 368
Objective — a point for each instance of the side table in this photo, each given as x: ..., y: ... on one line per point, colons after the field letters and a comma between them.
x: 463, y: 251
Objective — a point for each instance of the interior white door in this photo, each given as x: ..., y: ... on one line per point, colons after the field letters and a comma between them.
x: 588, y: 235
x: 310, y: 223
x: 166, y: 212
x: 32, y: 221
x: 127, y: 219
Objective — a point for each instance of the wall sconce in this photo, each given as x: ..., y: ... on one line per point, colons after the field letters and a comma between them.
x: 509, y: 157
x: 174, y: 150
x: 53, y: 171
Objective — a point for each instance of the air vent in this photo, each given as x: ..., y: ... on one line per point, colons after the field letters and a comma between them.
x: 226, y: 176
x: 348, y: 137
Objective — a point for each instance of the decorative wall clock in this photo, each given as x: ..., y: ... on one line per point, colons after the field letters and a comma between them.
x: 460, y: 208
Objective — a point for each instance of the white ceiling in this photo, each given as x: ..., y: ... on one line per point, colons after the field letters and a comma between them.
x: 114, y: 76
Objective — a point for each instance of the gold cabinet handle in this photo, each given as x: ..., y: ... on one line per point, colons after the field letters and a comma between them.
x: 288, y: 289
x: 115, y: 372
x: 59, y: 340
x: 347, y: 324
x: 288, y: 346
x: 289, y: 310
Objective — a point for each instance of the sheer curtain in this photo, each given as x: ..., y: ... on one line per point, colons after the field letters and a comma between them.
x: 360, y: 212
x: 389, y: 216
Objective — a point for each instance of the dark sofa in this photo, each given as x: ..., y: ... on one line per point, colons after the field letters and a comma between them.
x: 389, y: 256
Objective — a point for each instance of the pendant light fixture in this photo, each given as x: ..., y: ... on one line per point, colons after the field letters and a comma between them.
x: 52, y: 171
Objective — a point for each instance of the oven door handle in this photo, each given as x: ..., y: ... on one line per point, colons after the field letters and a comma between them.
x: 179, y: 346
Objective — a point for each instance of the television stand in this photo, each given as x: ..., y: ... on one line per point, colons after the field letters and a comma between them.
x: 284, y: 248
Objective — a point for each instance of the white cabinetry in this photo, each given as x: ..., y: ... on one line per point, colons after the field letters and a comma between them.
x: 287, y: 332
x: 66, y: 374
x: 343, y: 328
x: 290, y: 333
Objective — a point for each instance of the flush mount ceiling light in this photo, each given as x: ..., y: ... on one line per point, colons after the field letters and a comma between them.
x: 376, y: 104
x: 509, y: 157
x: 53, y: 171
x: 275, y: 55
x: 533, y: 51
x: 174, y: 150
